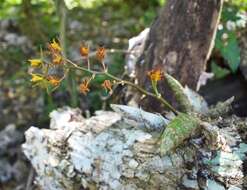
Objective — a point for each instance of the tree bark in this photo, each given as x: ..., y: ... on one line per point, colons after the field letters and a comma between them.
x: 243, y: 45
x: 37, y: 33
x: 180, y: 41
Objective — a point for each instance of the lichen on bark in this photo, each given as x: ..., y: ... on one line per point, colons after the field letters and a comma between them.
x: 104, y: 152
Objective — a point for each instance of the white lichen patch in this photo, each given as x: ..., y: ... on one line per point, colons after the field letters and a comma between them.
x: 92, y: 152
x: 66, y: 117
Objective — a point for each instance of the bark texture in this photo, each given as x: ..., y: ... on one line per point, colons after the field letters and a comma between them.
x: 243, y: 45
x: 104, y: 152
x: 180, y: 41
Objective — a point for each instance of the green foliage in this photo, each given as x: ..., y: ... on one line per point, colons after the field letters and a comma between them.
x: 233, y: 20
x: 9, y: 8
x: 240, y: 4
x: 85, y: 3
x: 93, y: 3
x: 178, y: 130
x: 229, y: 49
x: 101, y: 20
x: 218, y: 71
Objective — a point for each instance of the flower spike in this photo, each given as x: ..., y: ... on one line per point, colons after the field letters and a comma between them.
x: 156, y: 75
x: 54, y: 46
x: 84, y: 51
x: 101, y: 53
x: 35, y: 62
x: 84, y: 86
x: 54, y: 81
x: 107, y: 85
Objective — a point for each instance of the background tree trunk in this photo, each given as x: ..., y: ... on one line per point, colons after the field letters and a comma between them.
x: 37, y: 33
x: 180, y: 41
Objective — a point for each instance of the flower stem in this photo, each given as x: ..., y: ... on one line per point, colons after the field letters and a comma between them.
x: 143, y: 91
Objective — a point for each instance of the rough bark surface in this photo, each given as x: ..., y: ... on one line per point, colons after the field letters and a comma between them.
x: 243, y: 45
x: 103, y: 152
x: 180, y: 41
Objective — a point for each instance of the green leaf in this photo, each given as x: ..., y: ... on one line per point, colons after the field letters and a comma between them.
x: 229, y: 50
x: 231, y: 53
x: 178, y: 91
x: 218, y: 71
x: 70, y: 4
x: 229, y: 13
x: 178, y: 130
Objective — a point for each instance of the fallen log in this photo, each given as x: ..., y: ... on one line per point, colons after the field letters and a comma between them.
x: 108, y: 152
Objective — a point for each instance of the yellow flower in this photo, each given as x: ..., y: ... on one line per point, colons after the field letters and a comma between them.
x: 84, y: 51
x: 107, y: 85
x: 100, y: 54
x: 54, y: 81
x: 55, y: 46
x: 155, y: 75
x: 36, y: 78
x: 35, y: 62
x: 56, y: 59
x: 84, y: 86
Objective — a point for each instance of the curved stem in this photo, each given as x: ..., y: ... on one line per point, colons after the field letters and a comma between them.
x: 143, y: 91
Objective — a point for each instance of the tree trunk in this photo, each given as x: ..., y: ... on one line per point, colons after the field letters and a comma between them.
x: 37, y: 33
x: 180, y: 41
x: 243, y: 45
